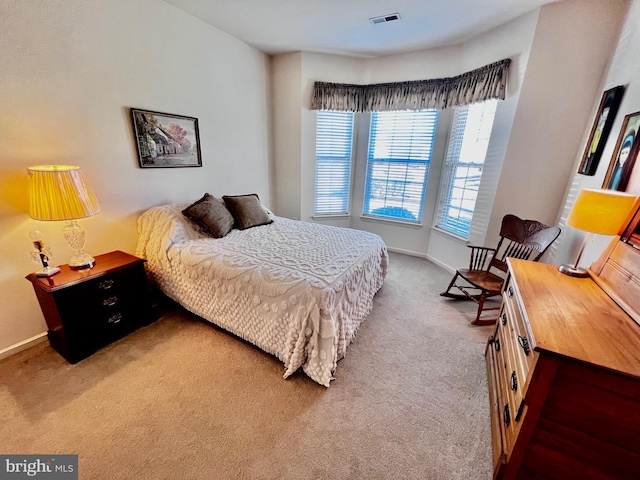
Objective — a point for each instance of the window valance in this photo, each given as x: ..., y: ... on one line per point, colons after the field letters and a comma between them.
x: 477, y: 85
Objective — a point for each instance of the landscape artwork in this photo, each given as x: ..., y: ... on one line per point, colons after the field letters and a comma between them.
x: 166, y: 140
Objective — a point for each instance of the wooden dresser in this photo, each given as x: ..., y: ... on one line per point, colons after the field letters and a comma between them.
x: 564, y: 372
x: 88, y: 309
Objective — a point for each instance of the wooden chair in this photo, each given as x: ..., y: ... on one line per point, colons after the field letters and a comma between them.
x: 525, y: 239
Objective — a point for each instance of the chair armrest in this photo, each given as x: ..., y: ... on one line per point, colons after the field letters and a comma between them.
x: 480, y: 248
x: 480, y: 257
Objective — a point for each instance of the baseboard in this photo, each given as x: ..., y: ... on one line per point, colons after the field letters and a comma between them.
x: 440, y: 264
x: 18, y: 347
x: 407, y: 252
x: 425, y: 256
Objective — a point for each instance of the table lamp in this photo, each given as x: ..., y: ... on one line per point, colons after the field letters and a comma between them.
x: 597, y: 211
x: 61, y: 192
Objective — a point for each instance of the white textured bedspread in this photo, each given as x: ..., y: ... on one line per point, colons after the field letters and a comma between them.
x: 296, y: 290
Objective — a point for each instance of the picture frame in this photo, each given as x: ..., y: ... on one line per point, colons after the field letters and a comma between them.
x: 631, y: 234
x: 166, y: 140
x: 624, y: 155
x: 602, y: 123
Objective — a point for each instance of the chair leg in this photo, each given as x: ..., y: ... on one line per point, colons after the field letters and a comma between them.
x: 447, y: 292
x: 477, y: 321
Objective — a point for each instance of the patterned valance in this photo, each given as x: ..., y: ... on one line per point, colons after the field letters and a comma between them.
x: 477, y: 85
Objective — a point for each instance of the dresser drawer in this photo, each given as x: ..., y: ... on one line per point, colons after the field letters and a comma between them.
x: 121, y: 284
x: 506, y: 401
x: 495, y: 405
x: 512, y: 320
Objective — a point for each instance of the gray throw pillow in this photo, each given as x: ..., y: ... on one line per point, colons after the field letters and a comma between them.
x: 247, y: 210
x: 211, y: 214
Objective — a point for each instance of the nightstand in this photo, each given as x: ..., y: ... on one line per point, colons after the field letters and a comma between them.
x: 88, y: 309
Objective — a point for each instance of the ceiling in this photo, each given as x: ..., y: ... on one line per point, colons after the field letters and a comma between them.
x: 343, y: 26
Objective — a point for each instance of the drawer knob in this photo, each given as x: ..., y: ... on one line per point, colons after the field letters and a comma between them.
x: 504, y: 319
x: 115, y: 319
x: 110, y: 302
x: 506, y: 415
x: 514, y: 381
x: 106, y: 285
x: 510, y: 292
x: 496, y: 344
x: 524, y: 343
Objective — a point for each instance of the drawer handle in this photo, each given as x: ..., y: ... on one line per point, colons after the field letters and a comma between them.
x: 110, y: 302
x: 514, y: 381
x: 504, y: 319
x: 115, y: 319
x: 106, y: 285
x: 510, y: 292
x: 519, y: 412
x: 496, y: 344
x: 506, y: 415
x: 524, y: 343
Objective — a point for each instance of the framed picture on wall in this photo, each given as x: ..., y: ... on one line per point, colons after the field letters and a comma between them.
x: 624, y: 155
x: 166, y: 140
x: 602, y: 123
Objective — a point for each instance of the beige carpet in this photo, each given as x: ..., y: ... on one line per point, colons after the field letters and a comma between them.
x: 181, y: 399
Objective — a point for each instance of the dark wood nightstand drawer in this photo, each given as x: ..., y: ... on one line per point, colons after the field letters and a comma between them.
x: 118, y: 284
x: 124, y: 288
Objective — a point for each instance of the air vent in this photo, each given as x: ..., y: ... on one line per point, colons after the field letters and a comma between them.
x: 385, y: 18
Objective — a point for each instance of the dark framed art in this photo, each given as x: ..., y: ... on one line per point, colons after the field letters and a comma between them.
x: 624, y: 155
x: 166, y: 140
x: 600, y: 130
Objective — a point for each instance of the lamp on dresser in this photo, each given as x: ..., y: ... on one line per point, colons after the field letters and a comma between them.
x: 61, y: 192
x: 597, y: 211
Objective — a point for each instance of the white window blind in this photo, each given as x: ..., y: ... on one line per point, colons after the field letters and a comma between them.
x: 334, y: 140
x: 400, y: 146
x: 464, y: 165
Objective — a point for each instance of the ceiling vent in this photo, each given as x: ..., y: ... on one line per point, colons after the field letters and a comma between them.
x: 385, y: 18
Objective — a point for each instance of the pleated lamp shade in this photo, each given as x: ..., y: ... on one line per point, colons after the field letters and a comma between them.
x: 600, y: 211
x: 60, y: 192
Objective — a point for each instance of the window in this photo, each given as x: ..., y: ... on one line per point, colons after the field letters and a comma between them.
x: 334, y: 138
x: 400, y: 145
x: 463, y: 166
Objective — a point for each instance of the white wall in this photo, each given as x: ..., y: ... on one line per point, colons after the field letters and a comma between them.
x: 285, y: 73
x: 571, y: 50
x: 511, y: 40
x: 624, y: 69
x: 70, y: 71
x: 559, y: 54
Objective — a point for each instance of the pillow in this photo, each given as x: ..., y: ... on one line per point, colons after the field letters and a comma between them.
x: 247, y: 210
x: 211, y: 214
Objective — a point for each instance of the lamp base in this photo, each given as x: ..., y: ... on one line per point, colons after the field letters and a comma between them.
x: 47, y: 271
x: 81, y: 260
x: 573, y: 271
x: 74, y: 234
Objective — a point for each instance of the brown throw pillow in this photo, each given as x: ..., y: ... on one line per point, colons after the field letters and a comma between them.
x: 247, y: 210
x: 211, y: 214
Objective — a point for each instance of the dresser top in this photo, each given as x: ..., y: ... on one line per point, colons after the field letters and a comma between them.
x: 67, y: 277
x: 575, y: 318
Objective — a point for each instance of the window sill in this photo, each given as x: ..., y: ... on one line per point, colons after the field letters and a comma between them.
x: 329, y: 216
x: 452, y: 236
x: 398, y: 222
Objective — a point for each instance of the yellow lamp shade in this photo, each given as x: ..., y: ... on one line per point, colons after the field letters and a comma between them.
x: 60, y: 192
x: 601, y: 211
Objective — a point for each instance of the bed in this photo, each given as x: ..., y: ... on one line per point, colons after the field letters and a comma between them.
x: 296, y: 290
